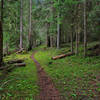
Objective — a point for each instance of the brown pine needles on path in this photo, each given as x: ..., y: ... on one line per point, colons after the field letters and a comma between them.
x: 47, y: 88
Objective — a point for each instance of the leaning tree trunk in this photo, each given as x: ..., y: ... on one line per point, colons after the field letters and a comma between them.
x: 85, y: 33
x: 21, y: 24
x: 1, y: 35
x: 30, y: 27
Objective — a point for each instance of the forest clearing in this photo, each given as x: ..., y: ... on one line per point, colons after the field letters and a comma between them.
x: 49, y: 50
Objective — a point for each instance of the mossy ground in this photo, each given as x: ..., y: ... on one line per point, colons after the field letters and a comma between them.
x: 21, y: 83
x: 76, y: 77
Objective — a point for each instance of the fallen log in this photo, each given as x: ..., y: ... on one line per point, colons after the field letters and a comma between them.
x: 20, y: 51
x: 3, y: 68
x: 94, y: 47
x: 20, y: 64
x: 7, y: 68
x: 62, y: 56
x: 11, y: 67
x: 15, y: 61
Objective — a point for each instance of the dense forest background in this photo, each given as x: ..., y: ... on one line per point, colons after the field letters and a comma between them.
x: 29, y: 23
x: 49, y: 49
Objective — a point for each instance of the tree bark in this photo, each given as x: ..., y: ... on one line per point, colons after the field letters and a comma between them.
x: 76, y: 42
x: 51, y: 41
x: 7, y: 47
x: 72, y: 40
x: 58, y: 33
x: 62, y: 56
x: 78, y: 30
x: 21, y: 24
x: 1, y: 35
x: 48, y: 36
x: 85, y: 32
x: 1, y: 44
x: 48, y: 40
x: 30, y: 27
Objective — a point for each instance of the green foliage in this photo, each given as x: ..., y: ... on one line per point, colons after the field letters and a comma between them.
x: 46, y: 12
x: 11, y: 22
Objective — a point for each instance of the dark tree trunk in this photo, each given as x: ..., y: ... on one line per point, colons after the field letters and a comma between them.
x: 72, y: 41
x: 48, y: 40
x: 7, y: 48
x: 76, y: 43
x: 48, y: 36
x: 30, y: 43
x: 30, y: 27
x: 51, y: 41
x: 85, y: 32
x: 1, y: 44
x: 1, y: 35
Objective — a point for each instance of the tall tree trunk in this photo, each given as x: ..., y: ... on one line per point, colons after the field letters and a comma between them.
x: 72, y: 40
x: 78, y: 30
x: 1, y: 35
x: 48, y: 35
x: 85, y: 32
x: 21, y: 24
x: 79, y: 22
x: 51, y: 41
x: 6, y: 47
x: 48, y: 40
x: 77, y: 39
x: 1, y: 43
x: 30, y: 26
x: 76, y: 43
x: 58, y: 33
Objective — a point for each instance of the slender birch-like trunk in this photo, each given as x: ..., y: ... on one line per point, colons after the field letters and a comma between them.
x: 21, y: 24
x: 58, y: 33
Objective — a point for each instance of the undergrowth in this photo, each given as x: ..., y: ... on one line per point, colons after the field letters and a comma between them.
x: 21, y: 83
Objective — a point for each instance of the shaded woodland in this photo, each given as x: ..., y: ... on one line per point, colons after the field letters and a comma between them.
x: 27, y: 24
x: 69, y: 27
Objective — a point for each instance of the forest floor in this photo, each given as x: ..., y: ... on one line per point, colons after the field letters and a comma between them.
x: 75, y: 77
x: 22, y: 82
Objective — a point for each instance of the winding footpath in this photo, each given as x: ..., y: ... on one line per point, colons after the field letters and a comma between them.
x: 47, y: 88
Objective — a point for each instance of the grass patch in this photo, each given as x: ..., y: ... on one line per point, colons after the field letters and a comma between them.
x: 21, y: 83
x: 75, y: 76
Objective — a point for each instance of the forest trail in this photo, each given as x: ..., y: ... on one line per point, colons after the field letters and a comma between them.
x: 47, y: 88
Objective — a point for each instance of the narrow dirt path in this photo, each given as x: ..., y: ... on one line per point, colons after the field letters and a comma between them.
x: 47, y: 88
